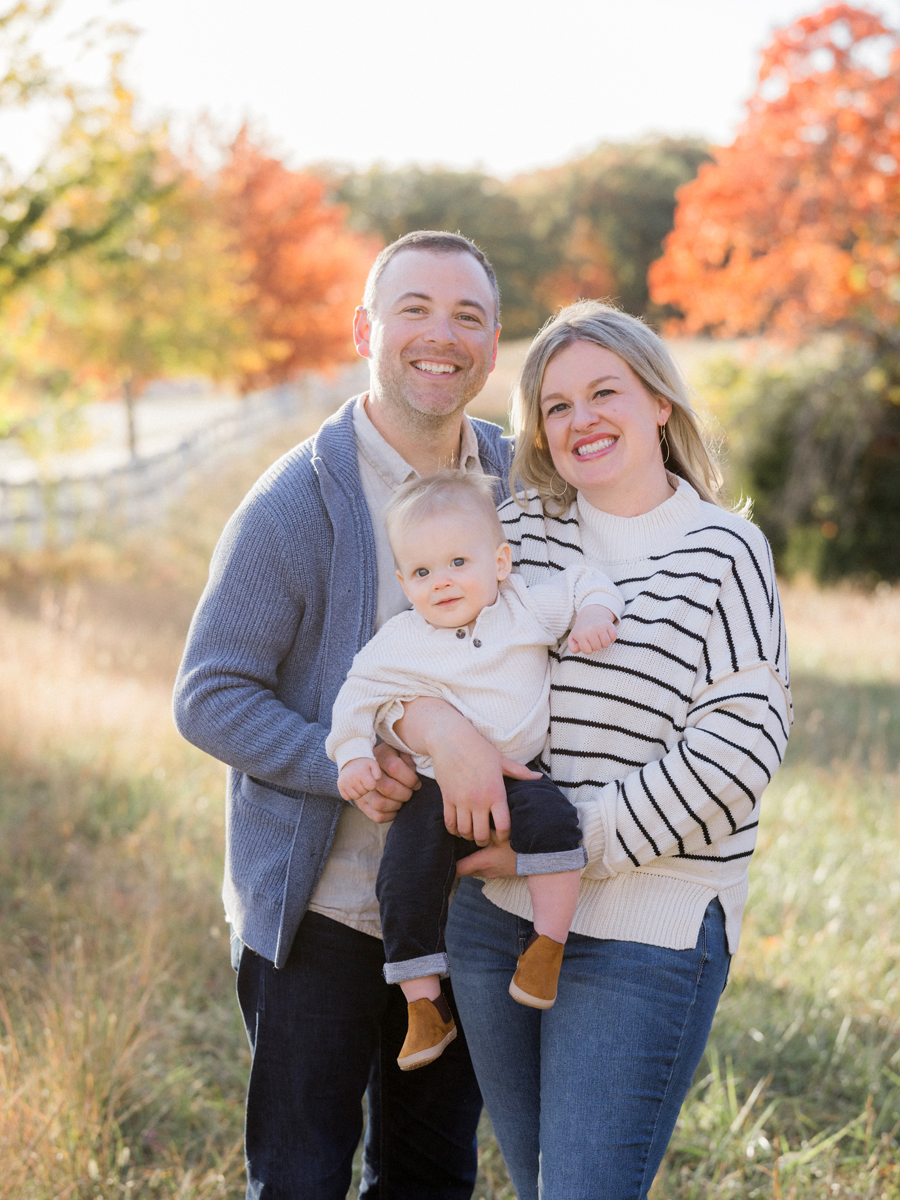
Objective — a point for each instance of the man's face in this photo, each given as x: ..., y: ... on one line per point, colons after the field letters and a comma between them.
x: 431, y: 343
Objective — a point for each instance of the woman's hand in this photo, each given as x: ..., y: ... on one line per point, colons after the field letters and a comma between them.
x: 468, y: 769
x: 397, y: 783
x: 497, y: 861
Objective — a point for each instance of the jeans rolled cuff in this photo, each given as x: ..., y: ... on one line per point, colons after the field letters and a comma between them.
x: 415, y: 968
x: 551, y: 864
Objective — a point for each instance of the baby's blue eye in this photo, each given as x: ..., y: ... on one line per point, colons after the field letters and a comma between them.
x: 420, y: 572
x: 458, y: 562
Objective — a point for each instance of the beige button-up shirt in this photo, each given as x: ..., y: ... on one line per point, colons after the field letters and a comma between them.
x: 346, y: 889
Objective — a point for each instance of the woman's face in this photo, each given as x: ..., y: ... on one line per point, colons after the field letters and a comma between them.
x: 602, y: 428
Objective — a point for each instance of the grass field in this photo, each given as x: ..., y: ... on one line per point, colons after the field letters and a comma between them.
x: 122, y: 1060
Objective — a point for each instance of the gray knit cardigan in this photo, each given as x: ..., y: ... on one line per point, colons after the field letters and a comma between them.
x: 290, y: 600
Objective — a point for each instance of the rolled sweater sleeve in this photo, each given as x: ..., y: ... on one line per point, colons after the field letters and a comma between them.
x: 225, y: 698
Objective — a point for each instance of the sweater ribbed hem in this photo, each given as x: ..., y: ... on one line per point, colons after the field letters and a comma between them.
x: 638, y: 907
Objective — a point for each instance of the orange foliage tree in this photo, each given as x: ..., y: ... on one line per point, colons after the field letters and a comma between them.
x: 794, y: 228
x: 304, y: 269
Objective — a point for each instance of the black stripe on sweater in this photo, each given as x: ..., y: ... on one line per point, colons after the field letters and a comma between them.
x: 678, y: 596
x: 743, y: 750
x: 758, y: 725
x: 692, y: 667
x: 636, y: 819
x: 705, y: 787
x: 727, y: 628
x: 611, y: 728
x: 770, y: 597
x: 715, y: 857
x: 734, y: 779
x: 671, y: 575
x: 777, y: 715
x: 737, y: 578
x: 627, y: 851
x: 671, y: 828
x: 607, y: 666
x: 687, y: 808
x: 562, y: 752
x: 580, y: 691
x: 533, y: 562
x: 731, y: 696
x: 666, y: 621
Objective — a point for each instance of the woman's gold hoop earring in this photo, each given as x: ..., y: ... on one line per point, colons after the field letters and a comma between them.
x: 553, y: 492
x: 664, y: 441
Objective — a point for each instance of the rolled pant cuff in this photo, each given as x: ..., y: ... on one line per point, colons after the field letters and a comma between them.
x: 551, y: 864
x: 415, y: 968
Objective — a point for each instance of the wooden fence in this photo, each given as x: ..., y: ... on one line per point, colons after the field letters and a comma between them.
x: 55, y: 512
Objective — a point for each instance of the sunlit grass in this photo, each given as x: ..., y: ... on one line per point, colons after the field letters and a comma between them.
x: 122, y: 1059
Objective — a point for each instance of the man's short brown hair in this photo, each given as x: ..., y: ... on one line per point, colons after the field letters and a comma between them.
x: 437, y: 242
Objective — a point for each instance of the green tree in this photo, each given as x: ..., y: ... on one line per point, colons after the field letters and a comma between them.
x: 604, y: 216
x: 391, y: 203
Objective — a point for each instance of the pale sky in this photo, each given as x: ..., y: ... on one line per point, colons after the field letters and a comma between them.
x: 507, y: 85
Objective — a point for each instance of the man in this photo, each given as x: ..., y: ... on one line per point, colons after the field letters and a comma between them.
x: 301, y: 579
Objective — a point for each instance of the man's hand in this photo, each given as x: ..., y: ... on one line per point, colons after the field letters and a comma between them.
x: 397, y: 783
x: 468, y: 769
x: 594, y: 629
x: 357, y: 777
x: 497, y: 861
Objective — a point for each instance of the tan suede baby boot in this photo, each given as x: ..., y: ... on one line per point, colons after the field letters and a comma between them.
x: 537, y: 974
x: 431, y: 1030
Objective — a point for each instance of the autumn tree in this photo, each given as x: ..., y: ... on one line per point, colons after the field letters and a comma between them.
x: 793, y: 228
x: 91, y: 179
x: 603, y: 217
x: 162, y: 297
x: 303, y: 270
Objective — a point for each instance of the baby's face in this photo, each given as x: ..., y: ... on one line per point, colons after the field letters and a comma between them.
x: 450, y: 566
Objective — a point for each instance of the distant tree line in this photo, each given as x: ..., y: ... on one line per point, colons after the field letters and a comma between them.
x: 590, y: 227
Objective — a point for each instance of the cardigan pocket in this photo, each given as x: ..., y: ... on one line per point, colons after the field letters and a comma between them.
x: 262, y: 824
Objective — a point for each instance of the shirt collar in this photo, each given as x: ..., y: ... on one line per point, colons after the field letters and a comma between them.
x: 384, y: 459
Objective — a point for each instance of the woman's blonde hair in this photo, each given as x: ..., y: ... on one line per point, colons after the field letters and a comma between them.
x: 689, y: 454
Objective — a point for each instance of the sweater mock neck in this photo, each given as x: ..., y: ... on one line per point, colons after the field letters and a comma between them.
x: 610, y: 539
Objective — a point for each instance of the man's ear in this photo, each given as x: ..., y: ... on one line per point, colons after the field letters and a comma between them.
x: 504, y: 561
x: 362, y: 331
x: 496, y: 347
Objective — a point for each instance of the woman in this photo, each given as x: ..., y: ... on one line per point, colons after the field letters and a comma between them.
x: 664, y: 742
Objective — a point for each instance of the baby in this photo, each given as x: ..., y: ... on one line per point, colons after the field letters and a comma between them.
x: 477, y: 637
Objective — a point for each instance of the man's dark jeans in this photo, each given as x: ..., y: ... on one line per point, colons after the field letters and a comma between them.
x: 418, y: 867
x: 325, y: 1030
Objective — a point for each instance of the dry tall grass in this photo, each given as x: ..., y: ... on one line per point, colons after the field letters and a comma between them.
x: 122, y: 1060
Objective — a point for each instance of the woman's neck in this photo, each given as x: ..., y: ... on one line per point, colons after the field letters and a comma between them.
x: 633, y: 499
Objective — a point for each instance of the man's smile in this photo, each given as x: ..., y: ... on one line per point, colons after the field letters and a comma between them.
x: 435, y: 368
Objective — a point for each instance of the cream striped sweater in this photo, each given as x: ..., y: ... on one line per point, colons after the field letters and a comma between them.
x: 666, y: 740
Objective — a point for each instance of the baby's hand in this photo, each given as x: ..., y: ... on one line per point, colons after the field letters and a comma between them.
x: 594, y: 629
x: 357, y: 777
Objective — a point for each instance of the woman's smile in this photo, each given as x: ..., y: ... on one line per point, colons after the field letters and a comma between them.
x: 595, y: 445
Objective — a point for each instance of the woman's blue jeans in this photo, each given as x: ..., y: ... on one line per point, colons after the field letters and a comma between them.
x: 584, y: 1096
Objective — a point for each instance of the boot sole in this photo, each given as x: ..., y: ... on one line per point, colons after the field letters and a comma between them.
x: 527, y: 998
x: 423, y: 1057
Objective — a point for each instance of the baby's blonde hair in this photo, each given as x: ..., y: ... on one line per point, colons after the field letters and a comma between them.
x: 447, y: 490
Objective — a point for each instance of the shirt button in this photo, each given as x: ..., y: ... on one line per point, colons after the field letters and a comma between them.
x: 460, y: 633
x: 477, y: 644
